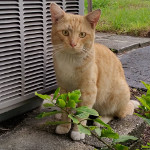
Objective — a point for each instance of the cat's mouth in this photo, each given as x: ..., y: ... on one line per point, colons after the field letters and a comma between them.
x: 73, y: 50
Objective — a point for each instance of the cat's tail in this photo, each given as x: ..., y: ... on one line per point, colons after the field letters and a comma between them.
x: 132, y: 104
x: 129, y: 109
x: 135, y: 103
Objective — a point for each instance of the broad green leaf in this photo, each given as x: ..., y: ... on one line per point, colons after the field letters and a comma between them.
x: 147, y: 100
x: 73, y: 96
x: 75, y: 120
x: 124, y: 138
x: 82, y: 129
x: 101, y: 122
x: 46, y: 114
x: 87, y: 110
x: 148, y: 93
x: 61, y: 103
x: 147, y: 115
x: 43, y: 96
x: 144, y: 118
x: 143, y: 101
x: 77, y: 92
x: 82, y: 115
x: 120, y: 147
x: 109, y: 133
x: 146, y: 85
x: 56, y: 122
x: 145, y: 146
x: 48, y: 105
x: 148, y: 144
x: 64, y: 97
x: 98, y: 131
x: 147, y: 121
x: 56, y: 93
x: 71, y: 104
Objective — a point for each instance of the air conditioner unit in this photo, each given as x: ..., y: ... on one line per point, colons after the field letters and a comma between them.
x: 26, y: 63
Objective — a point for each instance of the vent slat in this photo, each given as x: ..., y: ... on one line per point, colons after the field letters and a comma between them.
x: 34, y: 39
x: 52, y: 83
x: 31, y: 69
x: 32, y: 90
x: 11, y: 83
x: 11, y: 96
x: 8, y: 92
x: 34, y: 77
x: 10, y: 57
x: 38, y: 51
x: 10, y: 89
x: 10, y: 70
x: 10, y: 75
x: 7, y: 66
x: 28, y: 45
x: 34, y: 84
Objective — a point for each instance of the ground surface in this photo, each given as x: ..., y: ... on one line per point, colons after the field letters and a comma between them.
x: 134, y: 71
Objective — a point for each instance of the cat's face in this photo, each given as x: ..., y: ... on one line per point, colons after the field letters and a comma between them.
x: 72, y: 33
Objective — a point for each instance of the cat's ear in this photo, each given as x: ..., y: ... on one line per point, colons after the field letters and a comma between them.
x: 56, y: 12
x: 93, y: 17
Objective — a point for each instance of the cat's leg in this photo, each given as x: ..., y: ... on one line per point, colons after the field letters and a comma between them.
x: 88, y: 99
x: 63, y: 128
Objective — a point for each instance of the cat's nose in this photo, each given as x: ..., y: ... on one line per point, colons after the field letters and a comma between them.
x: 73, y: 44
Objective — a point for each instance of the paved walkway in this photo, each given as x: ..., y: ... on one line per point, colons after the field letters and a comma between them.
x: 121, y: 43
x: 136, y: 64
x: 32, y: 135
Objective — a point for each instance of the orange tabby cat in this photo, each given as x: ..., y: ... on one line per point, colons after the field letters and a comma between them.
x: 82, y: 64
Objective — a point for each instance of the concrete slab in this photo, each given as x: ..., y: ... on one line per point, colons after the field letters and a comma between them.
x: 136, y: 64
x: 121, y: 43
x: 33, y: 134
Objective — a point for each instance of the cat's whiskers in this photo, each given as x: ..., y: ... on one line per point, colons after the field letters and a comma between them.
x: 57, y: 49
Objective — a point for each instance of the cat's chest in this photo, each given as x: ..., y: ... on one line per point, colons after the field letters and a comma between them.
x: 67, y: 74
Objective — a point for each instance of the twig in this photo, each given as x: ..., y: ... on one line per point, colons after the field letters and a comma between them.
x: 4, y: 129
x: 109, y: 146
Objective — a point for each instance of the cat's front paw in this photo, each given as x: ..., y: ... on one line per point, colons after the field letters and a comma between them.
x: 76, y: 135
x: 63, y: 129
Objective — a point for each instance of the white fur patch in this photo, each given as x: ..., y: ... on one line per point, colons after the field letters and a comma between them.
x: 75, y: 135
x: 135, y: 103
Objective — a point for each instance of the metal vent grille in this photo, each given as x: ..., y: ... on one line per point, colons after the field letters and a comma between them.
x: 10, y: 51
x: 72, y: 6
x: 26, y: 63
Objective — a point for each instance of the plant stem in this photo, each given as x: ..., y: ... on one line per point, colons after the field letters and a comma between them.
x: 109, y: 146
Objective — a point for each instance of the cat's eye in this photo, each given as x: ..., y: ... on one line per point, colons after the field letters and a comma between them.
x: 65, y: 32
x: 82, y: 34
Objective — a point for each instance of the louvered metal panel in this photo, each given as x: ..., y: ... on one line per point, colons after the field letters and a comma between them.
x: 26, y: 63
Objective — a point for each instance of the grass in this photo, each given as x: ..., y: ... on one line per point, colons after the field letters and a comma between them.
x: 130, y: 17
